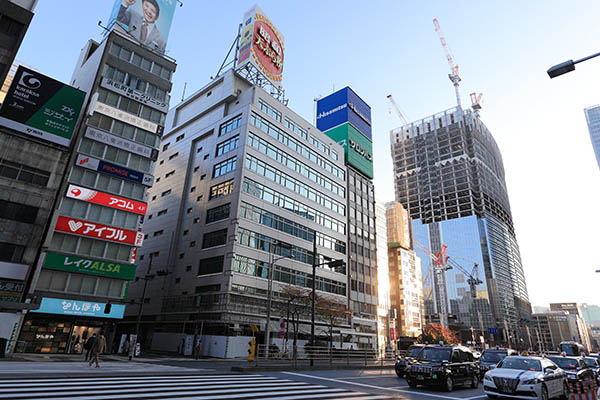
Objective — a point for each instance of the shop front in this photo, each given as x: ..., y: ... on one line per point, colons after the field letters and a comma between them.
x: 63, y: 325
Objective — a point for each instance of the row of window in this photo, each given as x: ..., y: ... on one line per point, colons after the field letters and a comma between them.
x: 134, y: 82
x: 265, y: 243
x: 224, y: 167
x: 106, y: 183
x: 273, y: 131
x: 230, y: 125
x: 215, y: 238
x: 211, y: 265
x: 131, y: 106
x: 290, y: 227
x: 218, y: 213
x: 269, y: 110
x: 362, y: 287
x: 296, y: 129
x: 323, y: 147
x: 291, y: 162
x: 23, y: 173
x: 221, y: 190
x: 139, y: 61
x: 288, y: 203
x: 10, y: 26
x: 96, y: 213
x: 114, y: 154
x: 228, y: 145
x: 283, y: 179
x: 252, y: 267
x: 11, y: 252
x: 88, y: 247
x: 18, y: 212
x: 123, y: 130
x: 65, y: 282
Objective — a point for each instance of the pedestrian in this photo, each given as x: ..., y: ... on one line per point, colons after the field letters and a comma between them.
x: 98, y: 348
x: 89, y: 344
x: 126, y: 347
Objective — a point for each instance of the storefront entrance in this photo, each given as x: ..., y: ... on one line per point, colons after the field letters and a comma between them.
x: 79, y: 336
x: 40, y: 335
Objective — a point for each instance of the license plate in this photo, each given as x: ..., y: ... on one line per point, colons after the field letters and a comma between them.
x: 420, y: 378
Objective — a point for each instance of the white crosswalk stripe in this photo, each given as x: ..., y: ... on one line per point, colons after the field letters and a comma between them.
x: 179, y: 387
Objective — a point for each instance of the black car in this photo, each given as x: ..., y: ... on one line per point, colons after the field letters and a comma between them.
x: 491, y: 357
x: 594, y: 364
x: 403, y: 361
x: 576, y: 369
x: 443, y: 366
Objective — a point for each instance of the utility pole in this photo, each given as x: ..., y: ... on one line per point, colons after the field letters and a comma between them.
x: 269, y: 296
x: 313, y: 295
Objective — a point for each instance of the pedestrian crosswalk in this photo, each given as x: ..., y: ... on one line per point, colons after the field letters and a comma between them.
x: 180, y: 387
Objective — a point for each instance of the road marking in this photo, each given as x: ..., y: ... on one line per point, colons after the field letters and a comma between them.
x: 439, y: 396
x: 475, y: 397
x: 368, y: 376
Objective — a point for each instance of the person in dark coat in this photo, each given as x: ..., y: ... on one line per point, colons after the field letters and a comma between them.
x: 89, y: 344
x: 98, y: 348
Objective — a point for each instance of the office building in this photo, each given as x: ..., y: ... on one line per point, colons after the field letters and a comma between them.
x: 386, y: 322
x: 592, y: 116
x: 590, y: 314
x: 87, y: 258
x: 346, y: 118
x: 580, y: 332
x: 406, y: 283
x: 450, y: 176
x: 550, y: 328
x: 15, y: 17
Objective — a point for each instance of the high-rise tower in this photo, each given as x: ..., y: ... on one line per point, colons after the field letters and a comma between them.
x: 450, y: 176
x: 592, y: 116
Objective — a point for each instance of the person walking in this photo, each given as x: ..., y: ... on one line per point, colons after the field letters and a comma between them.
x: 98, y: 348
x: 89, y: 344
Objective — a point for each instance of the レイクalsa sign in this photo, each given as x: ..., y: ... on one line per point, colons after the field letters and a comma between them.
x: 261, y: 44
x: 89, y: 266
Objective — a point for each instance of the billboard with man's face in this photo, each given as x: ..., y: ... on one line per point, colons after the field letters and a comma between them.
x: 148, y: 21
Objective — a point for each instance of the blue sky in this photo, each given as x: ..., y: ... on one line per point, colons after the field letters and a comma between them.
x: 381, y: 47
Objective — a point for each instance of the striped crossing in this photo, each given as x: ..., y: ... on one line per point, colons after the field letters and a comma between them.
x: 180, y: 387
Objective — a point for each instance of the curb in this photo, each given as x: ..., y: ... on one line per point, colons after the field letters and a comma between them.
x: 280, y: 368
x: 108, y: 374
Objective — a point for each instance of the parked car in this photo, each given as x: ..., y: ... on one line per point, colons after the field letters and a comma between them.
x: 491, y: 357
x: 576, y: 369
x: 523, y: 377
x: 594, y: 364
x: 403, y: 361
x: 443, y: 366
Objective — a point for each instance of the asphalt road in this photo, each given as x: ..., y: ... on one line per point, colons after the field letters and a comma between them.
x: 384, y: 382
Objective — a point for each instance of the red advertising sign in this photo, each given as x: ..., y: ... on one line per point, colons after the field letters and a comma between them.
x: 268, y: 48
x: 105, y: 199
x: 98, y: 231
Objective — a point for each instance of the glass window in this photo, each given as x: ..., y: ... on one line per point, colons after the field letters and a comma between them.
x: 59, y: 281
x: 88, y: 285
x: 75, y: 283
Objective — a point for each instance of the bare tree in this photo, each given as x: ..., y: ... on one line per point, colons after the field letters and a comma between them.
x: 333, y: 311
x: 297, y: 302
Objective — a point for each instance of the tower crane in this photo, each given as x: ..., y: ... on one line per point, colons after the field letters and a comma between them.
x: 397, y: 109
x: 453, y: 75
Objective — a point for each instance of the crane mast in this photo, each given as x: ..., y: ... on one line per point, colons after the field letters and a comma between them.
x: 453, y: 75
x: 397, y: 109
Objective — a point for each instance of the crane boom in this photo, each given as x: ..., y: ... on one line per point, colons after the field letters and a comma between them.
x: 453, y: 75
x: 397, y: 109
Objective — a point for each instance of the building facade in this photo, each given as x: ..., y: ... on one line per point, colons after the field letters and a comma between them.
x: 550, y: 328
x: 449, y: 175
x: 242, y: 182
x: 592, y: 116
x: 15, y: 17
x: 88, y: 255
x: 406, y: 283
x: 580, y: 333
x: 386, y: 325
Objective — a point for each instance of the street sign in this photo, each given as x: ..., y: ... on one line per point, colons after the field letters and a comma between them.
x: 493, y: 331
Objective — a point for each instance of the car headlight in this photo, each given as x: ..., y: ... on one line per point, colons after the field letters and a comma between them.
x: 531, y: 381
x: 486, y: 377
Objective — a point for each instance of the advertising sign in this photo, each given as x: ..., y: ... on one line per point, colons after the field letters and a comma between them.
x: 98, y: 231
x: 105, y: 199
x: 42, y: 107
x: 11, y: 291
x: 344, y: 106
x: 128, y: 118
x: 89, y: 266
x: 124, y: 90
x: 113, y: 169
x: 50, y: 305
x: 148, y: 21
x: 117, y: 141
x: 358, y: 150
x: 261, y: 44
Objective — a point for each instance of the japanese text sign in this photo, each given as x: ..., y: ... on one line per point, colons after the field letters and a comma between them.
x: 80, y: 227
x: 105, y: 199
x: 75, y: 307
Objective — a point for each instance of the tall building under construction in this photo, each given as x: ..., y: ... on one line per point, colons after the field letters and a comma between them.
x: 449, y: 175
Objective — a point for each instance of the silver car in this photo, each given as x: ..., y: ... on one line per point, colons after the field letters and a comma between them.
x: 520, y: 377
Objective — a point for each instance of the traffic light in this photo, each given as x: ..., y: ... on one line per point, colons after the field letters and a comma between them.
x: 107, y: 308
x: 251, y: 349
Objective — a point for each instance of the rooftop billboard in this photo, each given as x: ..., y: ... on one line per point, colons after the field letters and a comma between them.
x: 358, y: 150
x: 42, y: 107
x: 148, y: 21
x: 341, y: 107
x: 261, y: 45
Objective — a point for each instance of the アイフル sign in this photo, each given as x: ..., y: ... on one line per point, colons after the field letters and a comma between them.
x: 105, y: 199
x: 80, y: 227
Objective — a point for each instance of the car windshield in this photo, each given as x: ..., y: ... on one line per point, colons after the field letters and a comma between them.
x: 524, y: 364
x: 414, y: 351
x: 590, y: 362
x: 433, y: 354
x: 570, y: 349
x: 492, y: 357
x: 564, y: 362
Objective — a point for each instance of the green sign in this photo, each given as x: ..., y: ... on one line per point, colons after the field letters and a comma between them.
x: 358, y: 150
x: 89, y: 266
x: 40, y: 106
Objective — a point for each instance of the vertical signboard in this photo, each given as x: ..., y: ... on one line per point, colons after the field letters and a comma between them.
x: 148, y: 21
x: 42, y: 107
x: 261, y: 44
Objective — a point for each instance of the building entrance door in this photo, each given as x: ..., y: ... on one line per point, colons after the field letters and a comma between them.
x: 80, y: 334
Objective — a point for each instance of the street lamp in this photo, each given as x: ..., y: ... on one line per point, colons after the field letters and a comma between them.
x: 567, y: 66
x: 272, y: 261
x: 331, y: 264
